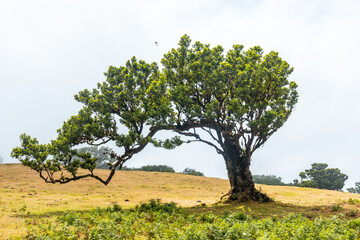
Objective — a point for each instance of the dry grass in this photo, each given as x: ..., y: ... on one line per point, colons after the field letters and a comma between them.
x: 23, y: 195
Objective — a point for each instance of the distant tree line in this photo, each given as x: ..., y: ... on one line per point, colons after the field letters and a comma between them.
x: 150, y: 168
x: 162, y: 168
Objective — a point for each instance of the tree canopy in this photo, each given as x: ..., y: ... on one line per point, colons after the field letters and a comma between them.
x: 319, y: 176
x: 238, y: 99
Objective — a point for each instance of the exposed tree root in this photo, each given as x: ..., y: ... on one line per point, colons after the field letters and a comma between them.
x: 257, y: 196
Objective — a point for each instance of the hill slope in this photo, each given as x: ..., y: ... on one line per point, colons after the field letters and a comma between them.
x: 24, y: 195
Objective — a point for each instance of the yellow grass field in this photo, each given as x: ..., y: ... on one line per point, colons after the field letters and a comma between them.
x: 24, y: 196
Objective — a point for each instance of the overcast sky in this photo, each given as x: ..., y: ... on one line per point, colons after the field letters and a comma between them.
x: 50, y: 50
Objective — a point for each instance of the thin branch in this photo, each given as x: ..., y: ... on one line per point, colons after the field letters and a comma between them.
x: 98, y: 144
x: 211, y: 134
x: 221, y: 142
x: 199, y: 139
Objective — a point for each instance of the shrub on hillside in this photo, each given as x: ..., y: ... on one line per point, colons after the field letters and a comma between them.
x: 191, y: 171
x: 157, y: 168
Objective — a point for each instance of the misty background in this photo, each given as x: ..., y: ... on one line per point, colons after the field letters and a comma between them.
x: 51, y: 50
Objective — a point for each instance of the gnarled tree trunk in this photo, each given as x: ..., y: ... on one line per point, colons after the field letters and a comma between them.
x: 238, y: 167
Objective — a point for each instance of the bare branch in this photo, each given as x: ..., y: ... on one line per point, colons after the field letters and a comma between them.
x: 199, y: 139
x: 98, y: 144
x: 211, y: 134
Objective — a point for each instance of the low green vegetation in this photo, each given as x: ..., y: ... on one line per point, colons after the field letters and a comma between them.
x: 167, y: 221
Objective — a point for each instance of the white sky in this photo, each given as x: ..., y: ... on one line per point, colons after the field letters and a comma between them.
x: 50, y: 50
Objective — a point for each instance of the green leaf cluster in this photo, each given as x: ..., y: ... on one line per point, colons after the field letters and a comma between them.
x: 241, y: 88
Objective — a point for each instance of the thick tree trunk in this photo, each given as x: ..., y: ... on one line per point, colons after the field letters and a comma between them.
x: 238, y: 167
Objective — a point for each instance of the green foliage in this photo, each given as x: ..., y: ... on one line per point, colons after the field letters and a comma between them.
x: 1, y: 159
x: 319, y: 176
x: 355, y: 189
x: 166, y: 221
x: 157, y: 206
x: 191, y: 171
x: 268, y: 180
x: 353, y: 201
x: 336, y: 208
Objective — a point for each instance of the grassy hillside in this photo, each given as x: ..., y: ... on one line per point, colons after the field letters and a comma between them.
x: 24, y: 196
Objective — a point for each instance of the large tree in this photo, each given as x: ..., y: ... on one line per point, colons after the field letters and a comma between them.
x: 232, y: 102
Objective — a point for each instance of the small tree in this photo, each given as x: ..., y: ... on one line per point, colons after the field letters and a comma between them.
x: 268, y: 180
x: 319, y: 176
x: 1, y: 159
x: 191, y: 171
x: 356, y: 189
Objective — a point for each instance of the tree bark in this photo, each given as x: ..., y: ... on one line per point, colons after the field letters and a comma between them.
x: 238, y: 166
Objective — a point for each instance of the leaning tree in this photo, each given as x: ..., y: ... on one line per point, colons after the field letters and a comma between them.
x: 232, y: 102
